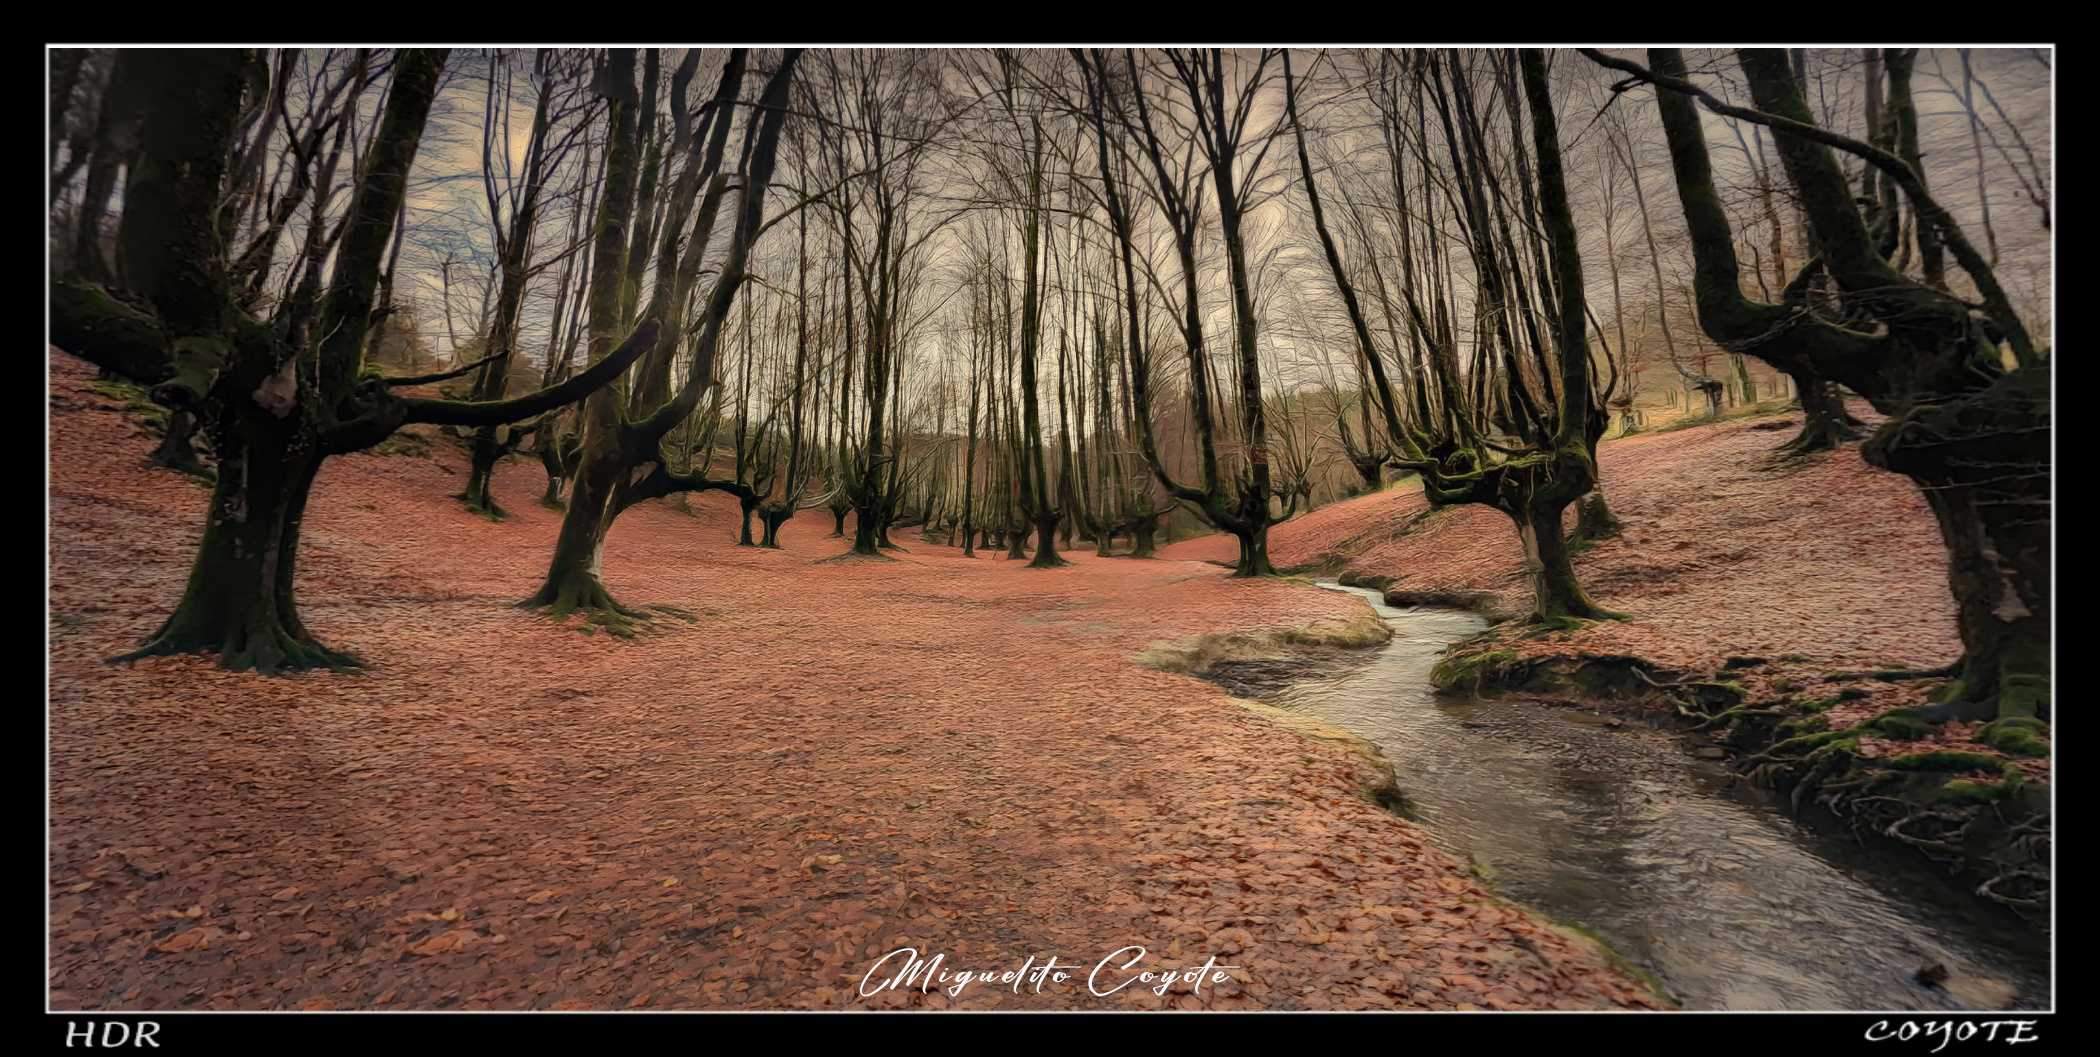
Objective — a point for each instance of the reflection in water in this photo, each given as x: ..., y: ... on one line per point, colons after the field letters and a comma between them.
x: 1694, y: 875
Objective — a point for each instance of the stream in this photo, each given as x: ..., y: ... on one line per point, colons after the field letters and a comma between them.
x: 1695, y: 875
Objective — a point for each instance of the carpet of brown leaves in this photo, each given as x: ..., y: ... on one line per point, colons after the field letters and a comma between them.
x: 1828, y: 559
x: 836, y: 761
x: 1821, y: 566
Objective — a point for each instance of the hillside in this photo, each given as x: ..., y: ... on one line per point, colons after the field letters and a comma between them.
x: 1724, y: 553
x: 830, y: 763
x: 1762, y: 594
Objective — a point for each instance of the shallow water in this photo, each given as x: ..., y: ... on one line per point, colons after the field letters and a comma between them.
x: 1696, y: 876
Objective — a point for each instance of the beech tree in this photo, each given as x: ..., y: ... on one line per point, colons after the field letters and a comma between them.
x: 515, y: 196
x: 620, y: 460
x: 276, y: 407
x: 1215, y: 110
x: 1517, y: 428
x: 885, y: 106
x: 1968, y: 421
x: 1021, y: 164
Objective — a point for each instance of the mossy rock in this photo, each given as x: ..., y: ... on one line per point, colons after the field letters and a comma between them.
x: 412, y: 444
x: 1812, y: 723
x: 1368, y: 582
x: 2019, y: 735
x: 1474, y: 668
x: 1897, y: 727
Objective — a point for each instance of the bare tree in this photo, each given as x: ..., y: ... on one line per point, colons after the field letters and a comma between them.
x: 277, y: 408
x: 515, y: 196
x: 1967, y: 423
x: 621, y: 461
x: 1518, y: 431
x: 1208, y: 117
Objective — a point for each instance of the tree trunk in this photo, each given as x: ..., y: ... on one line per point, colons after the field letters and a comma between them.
x: 1711, y: 390
x: 239, y: 601
x: 1371, y: 468
x: 1142, y: 544
x: 1594, y: 520
x: 1824, y: 423
x: 483, y: 452
x: 177, y: 451
x: 1046, y: 556
x: 551, y: 461
x: 573, y: 581
x: 867, y: 523
x: 1556, y: 596
x: 773, y: 517
x: 749, y: 506
x: 1975, y: 461
x: 1254, y: 553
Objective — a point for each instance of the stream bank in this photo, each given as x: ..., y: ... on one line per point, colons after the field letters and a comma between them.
x: 1615, y: 822
x: 1766, y: 595
x: 1843, y: 744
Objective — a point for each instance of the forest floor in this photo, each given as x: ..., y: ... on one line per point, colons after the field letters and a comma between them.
x: 750, y: 810
x: 1813, y: 566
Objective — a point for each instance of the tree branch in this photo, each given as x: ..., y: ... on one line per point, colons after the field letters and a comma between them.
x: 461, y: 413
x: 427, y: 379
x: 1996, y: 305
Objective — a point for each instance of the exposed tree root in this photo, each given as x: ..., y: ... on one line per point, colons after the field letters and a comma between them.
x: 487, y: 509
x: 857, y: 556
x: 269, y: 651
x: 1819, y: 434
x: 1927, y: 844
x: 587, y: 595
x: 1689, y: 706
x: 1736, y: 713
x: 1988, y: 890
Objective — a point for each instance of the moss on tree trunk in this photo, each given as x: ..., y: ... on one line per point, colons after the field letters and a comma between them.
x: 238, y: 603
x: 573, y: 575
x: 1557, y: 597
x: 773, y: 516
x: 1046, y: 556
